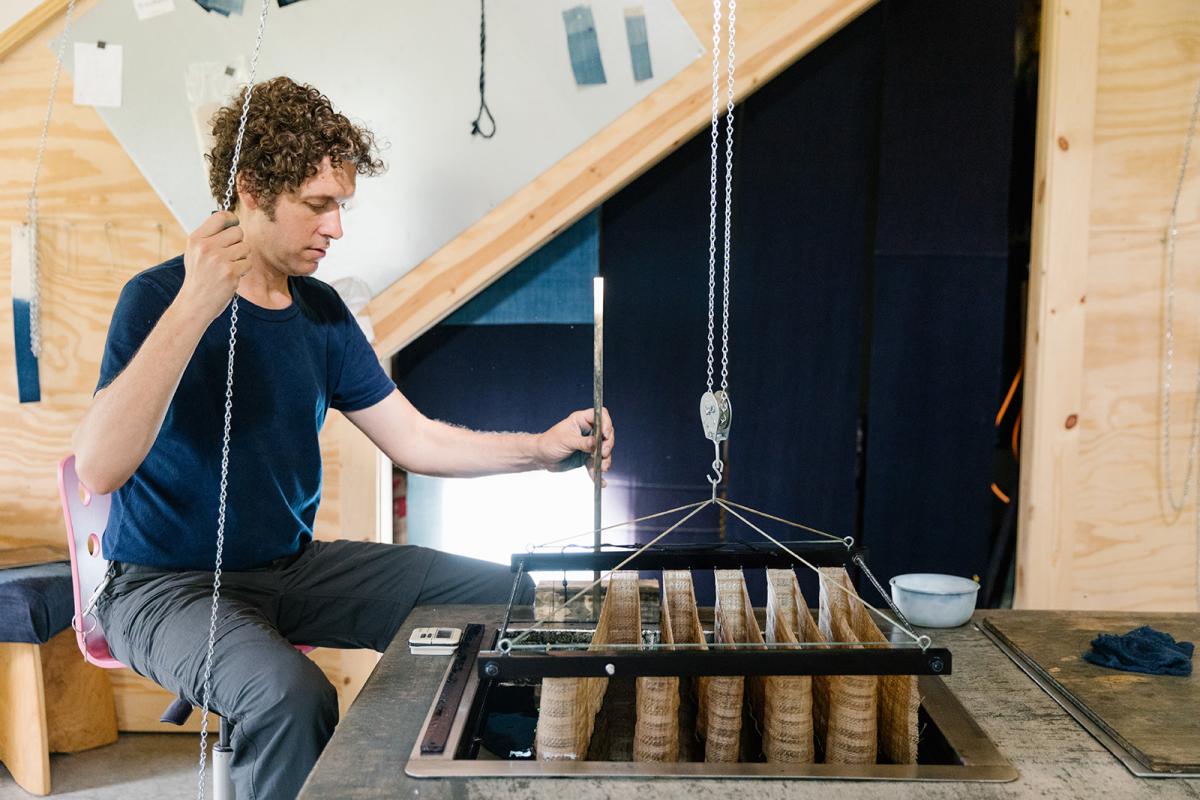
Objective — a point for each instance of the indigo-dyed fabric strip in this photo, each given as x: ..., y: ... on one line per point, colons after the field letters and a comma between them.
x: 639, y: 44
x: 29, y: 388
x: 223, y: 7
x: 583, y: 45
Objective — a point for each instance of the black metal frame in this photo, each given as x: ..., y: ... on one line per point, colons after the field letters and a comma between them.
x: 516, y: 665
x: 819, y: 554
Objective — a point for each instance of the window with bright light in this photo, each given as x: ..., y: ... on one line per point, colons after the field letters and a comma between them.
x: 492, y: 518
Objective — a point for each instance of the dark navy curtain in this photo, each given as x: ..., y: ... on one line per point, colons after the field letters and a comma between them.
x: 867, y: 303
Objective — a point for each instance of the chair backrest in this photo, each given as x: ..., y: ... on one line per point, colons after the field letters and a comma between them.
x: 86, y: 515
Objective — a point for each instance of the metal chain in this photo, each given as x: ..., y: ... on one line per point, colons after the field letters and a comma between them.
x: 714, y: 133
x: 1169, y: 335
x: 728, y: 199
x: 35, y: 296
x: 714, y: 150
x: 233, y: 318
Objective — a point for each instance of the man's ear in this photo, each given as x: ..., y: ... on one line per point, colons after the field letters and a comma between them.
x: 246, y: 198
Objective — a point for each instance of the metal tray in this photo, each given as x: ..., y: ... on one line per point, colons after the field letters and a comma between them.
x: 974, y: 756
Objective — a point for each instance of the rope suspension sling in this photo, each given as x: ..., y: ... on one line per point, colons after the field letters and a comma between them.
x: 716, y: 411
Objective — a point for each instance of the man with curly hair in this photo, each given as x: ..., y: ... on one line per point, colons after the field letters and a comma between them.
x: 152, y: 436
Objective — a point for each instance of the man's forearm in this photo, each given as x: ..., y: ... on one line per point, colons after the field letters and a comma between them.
x: 124, y: 418
x: 447, y: 451
x: 418, y: 444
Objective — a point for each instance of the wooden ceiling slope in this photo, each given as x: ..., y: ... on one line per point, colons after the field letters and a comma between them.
x: 771, y: 37
x: 21, y: 30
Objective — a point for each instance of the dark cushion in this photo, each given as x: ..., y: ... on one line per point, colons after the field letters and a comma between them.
x: 35, y: 602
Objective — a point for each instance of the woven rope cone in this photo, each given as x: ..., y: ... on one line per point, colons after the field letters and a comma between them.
x: 783, y: 705
x: 733, y: 622
x: 845, y: 707
x: 680, y: 599
x: 898, y: 700
x: 569, y: 705
x: 656, y: 737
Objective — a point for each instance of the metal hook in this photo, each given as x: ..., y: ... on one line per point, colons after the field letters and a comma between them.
x: 718, y: 468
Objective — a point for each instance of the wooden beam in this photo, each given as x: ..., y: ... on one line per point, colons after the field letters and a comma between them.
x: 1054, y: 343
x: 636, y: 141
x: 24, y: 28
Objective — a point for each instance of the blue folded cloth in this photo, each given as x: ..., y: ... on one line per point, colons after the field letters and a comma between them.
x: 1142, y: 650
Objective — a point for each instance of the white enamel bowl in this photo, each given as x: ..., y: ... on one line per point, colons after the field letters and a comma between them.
x: 934, y: 601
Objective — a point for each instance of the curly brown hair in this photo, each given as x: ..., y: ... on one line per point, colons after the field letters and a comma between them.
x: 290, y: 129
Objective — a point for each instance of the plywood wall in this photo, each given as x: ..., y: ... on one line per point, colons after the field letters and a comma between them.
x: 1094, y: 532
x: 101, y: 223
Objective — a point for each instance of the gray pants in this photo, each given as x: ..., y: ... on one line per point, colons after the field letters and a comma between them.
x: 332, y: 594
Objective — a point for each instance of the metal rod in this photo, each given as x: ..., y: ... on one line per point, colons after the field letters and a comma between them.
x: 597, y: 427
x: 512, y: 598
x: 600, y: 664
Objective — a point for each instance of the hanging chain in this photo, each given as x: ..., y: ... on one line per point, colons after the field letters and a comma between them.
x: 1176, y: 506
x: 716, y: 413
x: 1169, y: 359
x: 714, y: 133
x: 728, y: 200
x: 714, y: 150
x: 35, y: 287
x: 233, y: 318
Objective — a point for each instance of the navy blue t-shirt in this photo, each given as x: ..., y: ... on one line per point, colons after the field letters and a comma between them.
x: 290, y: 366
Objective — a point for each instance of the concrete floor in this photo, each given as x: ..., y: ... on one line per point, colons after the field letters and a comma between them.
x: 138, y: 767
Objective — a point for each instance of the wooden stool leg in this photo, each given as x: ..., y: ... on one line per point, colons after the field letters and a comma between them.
x: 80, y: 710
x: 24, y: 747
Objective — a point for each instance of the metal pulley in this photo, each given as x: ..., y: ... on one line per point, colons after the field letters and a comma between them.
x: 716, y: 415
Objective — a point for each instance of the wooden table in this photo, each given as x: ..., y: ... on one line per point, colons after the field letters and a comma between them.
x: 1055, y: 756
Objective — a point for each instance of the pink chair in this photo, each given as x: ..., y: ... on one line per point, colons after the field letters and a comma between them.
x: 86, y: 515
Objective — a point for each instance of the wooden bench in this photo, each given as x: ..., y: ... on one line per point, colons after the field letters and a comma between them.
x: 51, y: 700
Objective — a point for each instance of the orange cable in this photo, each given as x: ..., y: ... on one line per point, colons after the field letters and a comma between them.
x: 1012, y: 389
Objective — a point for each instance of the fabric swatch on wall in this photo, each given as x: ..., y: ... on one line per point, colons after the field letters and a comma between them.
x: 222, y: 7
x: 149, y: 9
x: 639, y: 43
x: 583, y: 46
x: 98, y: 74
x: 29, y: 388
x: 211, y: 85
